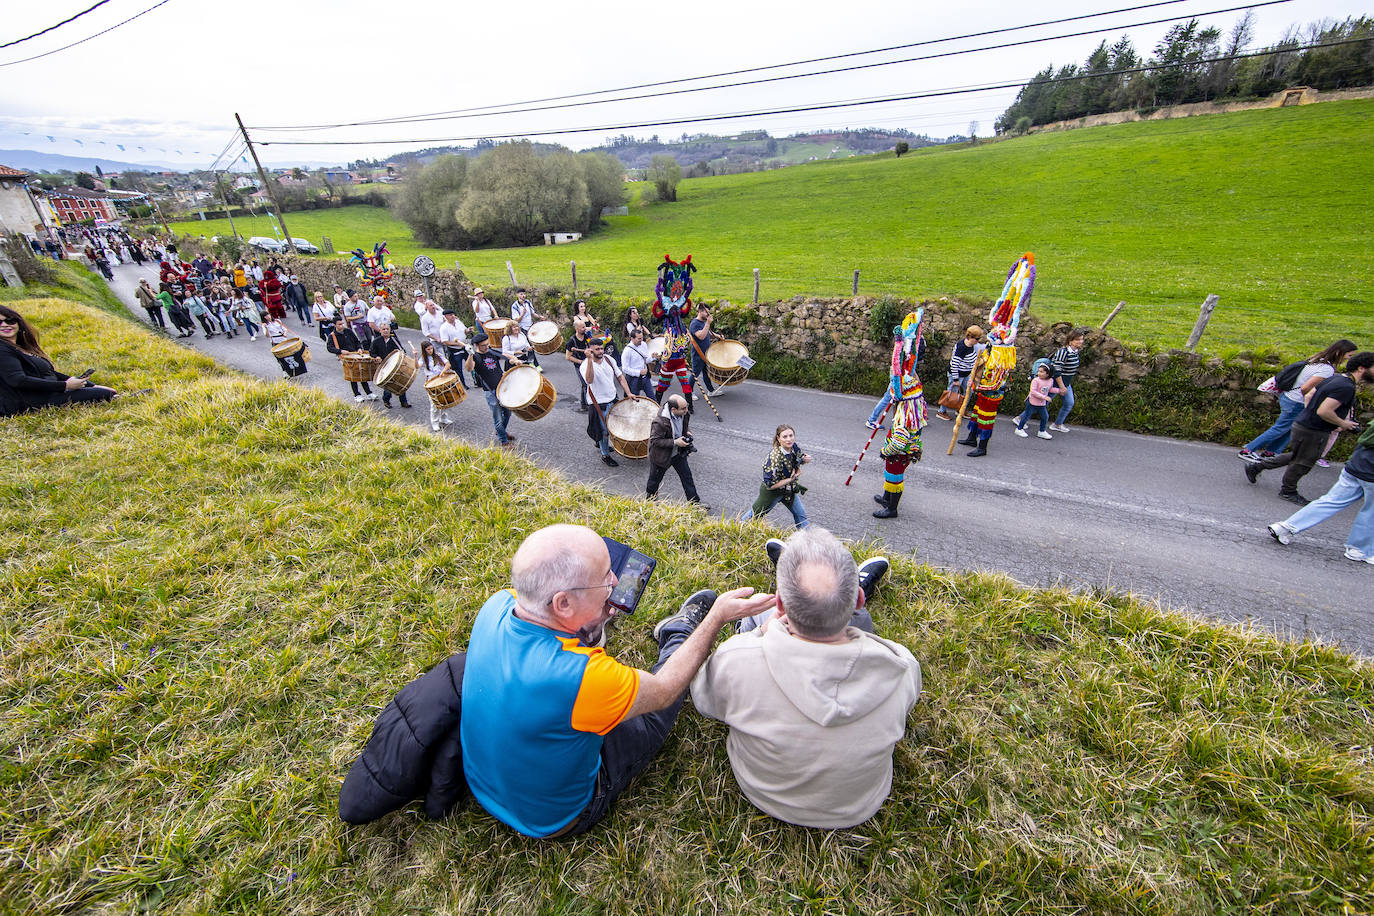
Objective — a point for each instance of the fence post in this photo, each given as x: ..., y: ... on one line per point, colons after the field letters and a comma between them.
x: 756, y: 286
x: 1108, y: 320
x: 856, y: 282
x: 574, y: 275
x: 511, y: 270
x: 1204, y: 316
x: 326, y: 245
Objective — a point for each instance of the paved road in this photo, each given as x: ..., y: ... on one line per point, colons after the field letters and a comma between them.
x: 1163, y: 519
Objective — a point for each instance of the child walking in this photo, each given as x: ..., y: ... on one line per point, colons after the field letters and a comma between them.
x: 1042, y: 388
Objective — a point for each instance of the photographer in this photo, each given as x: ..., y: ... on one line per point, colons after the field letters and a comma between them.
x: 551, y: 730
x: 781, y: 476
x: 670, y: 443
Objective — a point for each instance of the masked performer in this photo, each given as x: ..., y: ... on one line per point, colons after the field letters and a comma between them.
x: 672, y: 303
x: 903, y: 444
x: 999, y: 359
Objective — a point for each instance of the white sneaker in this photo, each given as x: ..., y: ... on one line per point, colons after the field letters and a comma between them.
x: 373, y: 396
x: 1043, y: 435
x: 434, y: 427
x: 1284, y: 535
x: 1059, y: 427
x: 1022, y: 433
x: 694, y: 396
x: 1358, y: 556
x: 446, y: 421
x: 359, y: 397
x: 872, y: 425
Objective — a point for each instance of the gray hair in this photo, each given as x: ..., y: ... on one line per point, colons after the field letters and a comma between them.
x: 538, y: 578
x: 818, y: 583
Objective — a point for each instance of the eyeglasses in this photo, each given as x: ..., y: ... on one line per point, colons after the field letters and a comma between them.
x: 608, y: 586
x: 10, y: 321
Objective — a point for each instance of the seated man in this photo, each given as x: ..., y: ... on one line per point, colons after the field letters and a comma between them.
x: 815, y: 702
x: 553, y: 729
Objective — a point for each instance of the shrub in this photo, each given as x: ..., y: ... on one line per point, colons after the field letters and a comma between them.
x: 885, y: 314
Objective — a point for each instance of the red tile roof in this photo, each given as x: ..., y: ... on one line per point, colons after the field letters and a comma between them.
x: 7, y: 172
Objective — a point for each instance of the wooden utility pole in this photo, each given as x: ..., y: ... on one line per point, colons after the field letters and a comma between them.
x: 1108, y: 320
x: 270, y: 186
x: 1204, y: 316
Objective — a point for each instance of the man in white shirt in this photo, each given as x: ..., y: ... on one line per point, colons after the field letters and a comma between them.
x: 635, y: 361
x: 380, y: 314
x: 600, y: 372
x: 419, y: 303
x: 431, y: 321
x: 522, y: 312
x: 815, y: 702
x: 482, y: 310
x: 453, y: 334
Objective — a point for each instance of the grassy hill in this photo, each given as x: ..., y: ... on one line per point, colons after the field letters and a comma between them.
x: 208, y: 593
x: 1268, y: 209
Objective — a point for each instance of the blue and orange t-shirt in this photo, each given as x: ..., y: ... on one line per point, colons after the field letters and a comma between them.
x: 536, y: 704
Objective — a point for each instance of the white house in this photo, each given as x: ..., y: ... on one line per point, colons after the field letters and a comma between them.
x: 20, y: 211
x: 561, y: 238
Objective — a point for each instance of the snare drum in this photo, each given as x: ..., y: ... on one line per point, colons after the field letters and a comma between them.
x: 396, y: 372
x: 722, y: 363
x: 445, y: 391
x: 628, y: 422
x: 358, y: 367
x: 497, y: 329
x: 292, y: 354
x: 545, y: 337
x: 525, y: 392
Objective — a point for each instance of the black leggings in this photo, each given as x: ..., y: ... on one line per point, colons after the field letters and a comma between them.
x: 79, y: 396
x: 367, y: 389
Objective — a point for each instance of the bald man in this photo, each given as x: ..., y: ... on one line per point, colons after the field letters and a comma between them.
x: 553, y: 729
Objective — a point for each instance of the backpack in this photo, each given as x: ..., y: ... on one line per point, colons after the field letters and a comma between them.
x: 1288, y: 378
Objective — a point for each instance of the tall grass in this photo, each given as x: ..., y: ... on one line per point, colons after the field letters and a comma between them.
x: 209, y: 593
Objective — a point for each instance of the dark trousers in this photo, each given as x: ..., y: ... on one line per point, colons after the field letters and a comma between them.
x: 303, y: 313
x: 367, y: 389
x: 684, y: 473
x: 386, y: 398
x: 630, y: 747
x: 155, y: 315
x: 641, y: 385
x: 1304, y: 448
x: 207, y: 324
x: 456, y: 357
x: 79, y: 396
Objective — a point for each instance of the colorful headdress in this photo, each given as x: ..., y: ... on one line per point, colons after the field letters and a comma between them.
x: 1005, y: 317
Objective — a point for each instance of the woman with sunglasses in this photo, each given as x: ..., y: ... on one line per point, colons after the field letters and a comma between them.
x: 28, y: 380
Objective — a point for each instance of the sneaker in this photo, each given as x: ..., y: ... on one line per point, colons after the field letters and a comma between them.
x: 446, y: 421
x: 1043, y: 435
x: 434, y: 427
x: 872, y: 425
x: 690, y: 615
x: 1059, y: 427
x: 512, y: 436
x: 1246, y: 455
x: 1022, y: 433
x: 407, y: 405
x: 359, y: 397
x: 773, y: 547
x: 1296, y: 499
x: 1283, y: 534
x: 1323, y: 463
x: 694, y: 396
x: 609, y: 461
x: 1252, y: 472
x: 373, y: 396
x: 871, y: 572
x: 1358, y: 556
x: 1267, y: 454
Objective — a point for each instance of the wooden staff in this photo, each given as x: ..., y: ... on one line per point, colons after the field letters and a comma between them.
x: 963, y: 407
x: 881, y: 418
x: 692, y: 339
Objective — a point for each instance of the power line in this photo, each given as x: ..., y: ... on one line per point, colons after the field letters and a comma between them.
x: 441, y: 115
x: 825, y: 106
x: 51, y: 28
x: 25, y: 60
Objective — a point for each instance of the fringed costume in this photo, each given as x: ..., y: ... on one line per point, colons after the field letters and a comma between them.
x: 999, y: 358
x: 672, y: 303
x: 903, y: 444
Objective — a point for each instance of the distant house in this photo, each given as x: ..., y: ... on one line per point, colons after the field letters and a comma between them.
x: 561, y: 238
x: 20, y: 211
x: 339, y: 175
x: 243, y: 183
x: 76, y: 204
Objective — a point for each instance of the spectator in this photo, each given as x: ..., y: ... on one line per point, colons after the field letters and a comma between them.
x: 1320, y: 367
x: 28, y: 380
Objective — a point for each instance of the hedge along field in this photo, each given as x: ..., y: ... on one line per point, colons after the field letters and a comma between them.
x: 211, y: 591
x: 1268, y: 209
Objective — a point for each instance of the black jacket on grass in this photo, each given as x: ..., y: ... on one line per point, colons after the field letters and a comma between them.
x: 27, y: 382
x: 413, y: 752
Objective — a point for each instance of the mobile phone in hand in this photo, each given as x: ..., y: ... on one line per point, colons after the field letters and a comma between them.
x: 87, y: 374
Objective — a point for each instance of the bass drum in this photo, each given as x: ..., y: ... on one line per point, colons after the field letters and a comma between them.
x: 525, y: 392
x: 445, y: 390
x: 628, y: 422
x: 722, y: 363
x: 545, y: 337
x: 396, y: 372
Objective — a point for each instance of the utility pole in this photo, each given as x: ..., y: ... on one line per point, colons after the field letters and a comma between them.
x: 271, y: 188
x: 224, y: 197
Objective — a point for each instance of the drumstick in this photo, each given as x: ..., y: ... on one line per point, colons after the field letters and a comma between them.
x: 703, y: 387
x: 959, y: 420
x: 852, y: 470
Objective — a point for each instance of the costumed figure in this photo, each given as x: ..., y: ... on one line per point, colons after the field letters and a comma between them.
x: 374, y: 271
x: 672, y: 306
x: 999, y: 357
x: 903, y: 444
x: 272, y: 295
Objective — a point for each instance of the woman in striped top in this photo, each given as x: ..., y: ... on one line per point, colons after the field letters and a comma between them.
x: 1064, y: 365
x: 961, y: 364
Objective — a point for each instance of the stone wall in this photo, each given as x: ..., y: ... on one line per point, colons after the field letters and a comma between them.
x: 1298, y: 95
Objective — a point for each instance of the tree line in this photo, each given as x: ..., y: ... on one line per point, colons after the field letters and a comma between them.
x: 510, y: 195
x: 1195, y: 64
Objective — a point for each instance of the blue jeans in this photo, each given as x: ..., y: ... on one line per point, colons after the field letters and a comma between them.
x: 500, y: 416
x: 1066, y: 406
x: 1347, y: 490
x: 881, y: 406
x: 798, y: 512
x: 1275, y: 438
x: 248, y: 324
x: 1039, y: 411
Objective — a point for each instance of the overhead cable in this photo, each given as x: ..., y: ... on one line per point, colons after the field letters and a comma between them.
x: 51, y: 28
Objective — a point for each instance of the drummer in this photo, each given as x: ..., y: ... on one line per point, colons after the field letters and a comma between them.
x: 293, y: 365
x: 343, y: 340
x: 487, y: 366
x: 453, y: 334
x: 702, y: 337
x: 482, y: 309
x: 523, y: 314
x: 383, y: 345
x: 576, y: 353
x: 515, y: 347
x: 433, y: 364
x: 355, y: 313
x: 635, y: 363
x: 600, y: 372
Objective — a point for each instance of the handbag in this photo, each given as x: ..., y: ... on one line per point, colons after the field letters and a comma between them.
x: 951, y: 400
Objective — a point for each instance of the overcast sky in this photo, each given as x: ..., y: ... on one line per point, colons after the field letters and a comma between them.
x: 171, y: 80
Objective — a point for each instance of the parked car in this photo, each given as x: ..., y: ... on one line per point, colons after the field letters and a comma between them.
x: 302, y: 246
x: 262, y: 243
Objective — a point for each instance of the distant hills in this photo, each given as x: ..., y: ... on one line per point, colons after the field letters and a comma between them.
x: 37, y: 161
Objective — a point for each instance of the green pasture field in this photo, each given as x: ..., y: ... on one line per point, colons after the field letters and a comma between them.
x: 1267, y: 209
x: 209, y: 593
